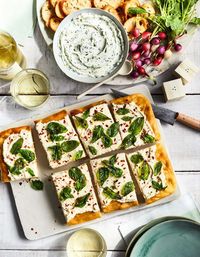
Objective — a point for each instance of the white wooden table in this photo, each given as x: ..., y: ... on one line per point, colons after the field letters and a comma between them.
x: 183, y: 144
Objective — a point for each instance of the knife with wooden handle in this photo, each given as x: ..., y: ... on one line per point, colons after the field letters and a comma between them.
x: 167, y: 115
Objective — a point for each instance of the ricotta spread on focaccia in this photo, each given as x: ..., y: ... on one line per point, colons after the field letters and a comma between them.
x: 97, y: 130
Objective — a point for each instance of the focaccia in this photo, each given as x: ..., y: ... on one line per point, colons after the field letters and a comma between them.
x: 97, y: 129
x: 76, y: 195
x: 138, y: 125
x: 17, y: 154
x: 115, y: 186
x: 153, y: 172
x: 59, y: 139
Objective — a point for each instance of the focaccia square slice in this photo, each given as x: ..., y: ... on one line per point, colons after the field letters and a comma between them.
x: 17, y: 154
x: 115, y: 186
x: 137, y: 122
x: 76, y: 195
x: 153, y: 172
x: 97, y: 129
x: 59, y: 139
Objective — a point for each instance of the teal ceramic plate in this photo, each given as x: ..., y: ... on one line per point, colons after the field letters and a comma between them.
x: 174, y: 238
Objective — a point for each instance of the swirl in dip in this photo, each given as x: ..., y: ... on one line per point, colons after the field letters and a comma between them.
x: 91, y: 45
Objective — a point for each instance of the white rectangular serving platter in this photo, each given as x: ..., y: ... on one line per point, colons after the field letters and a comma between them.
x: 39, y: 211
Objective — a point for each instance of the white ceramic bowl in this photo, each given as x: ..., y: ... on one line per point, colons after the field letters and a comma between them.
x: 56, y: 49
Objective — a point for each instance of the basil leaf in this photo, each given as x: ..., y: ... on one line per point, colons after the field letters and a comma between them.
x: 14, y: 170
x: 144, y: 170
x: 17, y: 146
x: 19, y: 163
x: 136, y: 126
x: 92, y: 149
x: 30, y: 171
x: 78, y: 155
x: 56, y: 137
x: 106, y: 140
x: 86, y: 114
x: 75, y: 173
x: 136, y: 10
x: 111, y: 194
x: 69, y: 146
x: 127, y: 188
x: 99, y: 116
x: 81, y: 122
x: 65, y: 194
x: 37, y: 184
x: 81, y: 183
x: 113, y: 130
x: 128, y: 141
x: 56, y: 152
x: 28, y: 155
x: 137, y: 158
x: 157, y: 168
x: 81, y: 201
x: 148, y: 139
x: 122, y: 111
x: 115, y: 172
x: 56, y: 128
x: 113, y: 159
x: 157, y: 185
x: 127, y: 118
x: 102, y: 175
x: 97, y: 133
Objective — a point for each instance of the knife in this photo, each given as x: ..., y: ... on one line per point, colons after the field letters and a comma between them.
x: 167, y: 115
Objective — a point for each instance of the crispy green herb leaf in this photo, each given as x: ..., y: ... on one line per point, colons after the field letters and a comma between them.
x: 92, y: 149
x: 111, y: 194
x: 144, y: 170
x: 82, y: 123
x: 115, y: 171
x: 14, y: 170
x: 136, y: 10
x: 17, y: 146
x: 106, y: 140
x: 113, y: 130
x: 122, y: 111
x: 157, y: 185
x: 136, y: 126
x: 28, y: 155
x: 56, y: 152
x: 195, y: 21
x: 19, y: 163
x: 128, y: 141
x: 76, y: 174
x: 148, y: 139
x: 86, y: 114
x: 81, y: 201
x: 30, y: 171
x: 127, y: 118
x: 37, y: 184
x: 65, y: 194
x: 99, y: 116
x: 55, y: 128
x: 113, y: 160
x: 69, y: 145
x: 127, y: 188
x: 78, y: 155
x: 97, y: 133
x: 157, y: 168
x: 56, y: 137
x: 102, y: 175
x: 137, y: 158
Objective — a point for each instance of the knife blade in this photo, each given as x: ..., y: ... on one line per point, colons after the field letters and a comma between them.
x: 166, y: 115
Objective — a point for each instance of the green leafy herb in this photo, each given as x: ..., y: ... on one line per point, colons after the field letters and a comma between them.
x: 19, y: 163
x: 136, y: 126
x: 17, y: 146
x: 81, y: 201
x: 128, y: 141
x: 30, y: 171
x: 65, y: 194
x: 106, y: 140
x: 86, y: 114
x: 157, y: 168
x: 113, y: 130
x: 115, y: 171
x: 56, y: 152
x: 56, y: 137
x: 195, y: 21
x: 69, y: 145
x: 122, y: 111
x: 92, y: 149
x: 148, y: 139
x: 127, y: 188
x: 37, y: 184
x: 82, y: 123
x: 113, y: 159
x: 28, y: 155
x: 97, y: 133
x: 99, y: 116
x: 136, y: 10
x: 55, y: 128
x: 78, y: 155
x: 111, y: 194
x: 102, y: 175
x: 127, y: 118
x: 76, y: 174
x: 14, y: 170
x: 137, y: 158
x: 144, y: 170
x: 157, y: 185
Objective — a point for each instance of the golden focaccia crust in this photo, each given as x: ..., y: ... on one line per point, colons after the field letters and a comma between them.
x: 84, y: 217
x: 84, y: 108
x: 114, y: 206
x: 145, y: 107
x: 56, y: 116
x: 3, y: 135
x: 161, y: 155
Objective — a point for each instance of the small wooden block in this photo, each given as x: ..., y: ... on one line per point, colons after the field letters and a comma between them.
x: 173, y: 89
x: 187, y: 71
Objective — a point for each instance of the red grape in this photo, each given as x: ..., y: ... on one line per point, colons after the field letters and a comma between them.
x: 136, y: 55
x: 135, y: 74
x: 162, y: 35
x: 161, y: 50
x: 146, y: 35
x: 141, y: 70
x: 177, y: 47
x: 155, y: 41
x: 135, y: 32
x: 157, y: 61
x: 146, y: 46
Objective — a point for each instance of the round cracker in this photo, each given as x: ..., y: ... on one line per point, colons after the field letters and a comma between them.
x: 58, y: 10
x: 54, y: 23
x: 47, y: 12
x: 69, y: 6
x: 53, y: 3
x: 113, y: 11
x: 102, y: 3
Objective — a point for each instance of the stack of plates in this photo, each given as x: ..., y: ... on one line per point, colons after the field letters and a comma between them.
x: 166, y: 237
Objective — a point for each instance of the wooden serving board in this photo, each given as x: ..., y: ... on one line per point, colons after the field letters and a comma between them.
x: 39, y: 211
